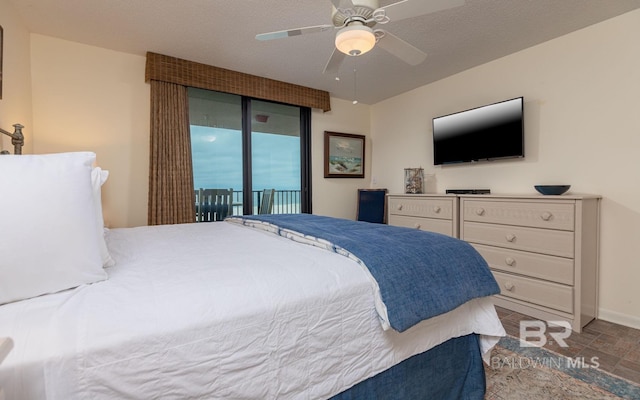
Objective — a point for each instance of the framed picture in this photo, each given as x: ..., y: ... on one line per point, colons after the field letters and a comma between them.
x: 343, y: 155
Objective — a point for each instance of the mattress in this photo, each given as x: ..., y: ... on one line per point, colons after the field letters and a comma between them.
x: 218, y: 311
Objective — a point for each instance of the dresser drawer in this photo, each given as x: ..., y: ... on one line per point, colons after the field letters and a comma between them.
x: 523, y: 213
x: 425, y: 224
x: 547, y: 294
x: 421, y: 207
x: 545, y: 241
x: 550, y: 268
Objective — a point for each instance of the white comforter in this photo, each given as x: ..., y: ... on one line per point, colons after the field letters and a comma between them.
x: 216, y: 311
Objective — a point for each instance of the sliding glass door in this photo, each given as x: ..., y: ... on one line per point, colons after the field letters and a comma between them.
x: 248, y: 147
x: 275, y: 155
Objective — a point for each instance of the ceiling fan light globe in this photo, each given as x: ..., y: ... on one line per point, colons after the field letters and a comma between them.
x: 355, y: 40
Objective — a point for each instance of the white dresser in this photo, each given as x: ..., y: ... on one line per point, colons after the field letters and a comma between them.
x: 543, y: 251
x: 428, y: 212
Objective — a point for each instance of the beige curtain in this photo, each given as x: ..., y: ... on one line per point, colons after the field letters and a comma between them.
x: 171, y: 195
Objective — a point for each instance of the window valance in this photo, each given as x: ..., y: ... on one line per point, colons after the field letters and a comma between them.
x: 188, y: 73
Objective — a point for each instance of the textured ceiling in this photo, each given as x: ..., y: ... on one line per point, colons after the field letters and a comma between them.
x: 222, y: 33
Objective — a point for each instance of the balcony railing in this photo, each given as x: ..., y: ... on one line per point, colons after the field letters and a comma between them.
x: 213, y: 206
x: 284, y: 202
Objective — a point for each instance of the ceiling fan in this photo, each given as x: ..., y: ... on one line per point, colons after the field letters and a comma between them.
x: 355, y: 21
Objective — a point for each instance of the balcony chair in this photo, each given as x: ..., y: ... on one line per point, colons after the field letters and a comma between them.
x: 213, y: 204
x: 266, y: 204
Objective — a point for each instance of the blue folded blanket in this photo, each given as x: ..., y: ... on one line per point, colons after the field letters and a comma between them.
x: 420, y: 274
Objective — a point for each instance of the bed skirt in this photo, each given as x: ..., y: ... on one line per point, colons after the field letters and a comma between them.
x: 451, y: 371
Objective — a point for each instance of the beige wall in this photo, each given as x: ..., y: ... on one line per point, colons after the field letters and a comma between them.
x: 15, y: 105
x: 336, y: 197
x: 582, y: 127
x: 88, y: 98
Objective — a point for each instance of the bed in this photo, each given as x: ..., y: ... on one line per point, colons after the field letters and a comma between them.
x: 248, y: 308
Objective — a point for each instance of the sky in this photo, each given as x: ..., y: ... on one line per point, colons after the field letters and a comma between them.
x: 217, y: 159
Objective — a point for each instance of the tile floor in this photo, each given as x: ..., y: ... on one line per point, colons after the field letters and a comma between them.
x: 617, y: 347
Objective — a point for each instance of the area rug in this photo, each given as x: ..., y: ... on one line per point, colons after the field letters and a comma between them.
x: 517, y: 372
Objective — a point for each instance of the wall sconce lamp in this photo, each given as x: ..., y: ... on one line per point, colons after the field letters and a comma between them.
x: 17, y: 139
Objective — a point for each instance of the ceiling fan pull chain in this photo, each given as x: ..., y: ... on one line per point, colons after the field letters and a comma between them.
x: 355, y: 87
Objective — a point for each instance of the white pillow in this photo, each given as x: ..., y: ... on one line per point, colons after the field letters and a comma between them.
x: 98, y: 178
x: 49, y: 240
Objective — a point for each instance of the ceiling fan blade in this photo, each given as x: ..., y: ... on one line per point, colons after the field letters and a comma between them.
x: 343, y: 4
x: 293, y: 32
x: 336, y: 59
x: 401, y: 49
x: 413, y: 8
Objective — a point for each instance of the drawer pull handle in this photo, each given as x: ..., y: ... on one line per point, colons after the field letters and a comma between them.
x: 510, y: 261
x: 399, y: 207
x: 479, y: 211
x: 417, y: 226
x: 511, y: 237
x: 509, y: 286
x: 436, y: 209
x: 546, y: 216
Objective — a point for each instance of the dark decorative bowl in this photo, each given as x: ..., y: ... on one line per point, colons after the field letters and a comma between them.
x: 552, y: 189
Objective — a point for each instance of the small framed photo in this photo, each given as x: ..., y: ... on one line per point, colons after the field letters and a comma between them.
x: 343, y: 155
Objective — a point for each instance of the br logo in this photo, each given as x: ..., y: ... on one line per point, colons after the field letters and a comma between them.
x: 534, y: 333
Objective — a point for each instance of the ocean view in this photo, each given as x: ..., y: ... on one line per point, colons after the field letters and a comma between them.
x: 217, y: 159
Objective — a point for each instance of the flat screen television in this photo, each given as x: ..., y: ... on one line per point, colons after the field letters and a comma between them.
x: 490, y: 132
